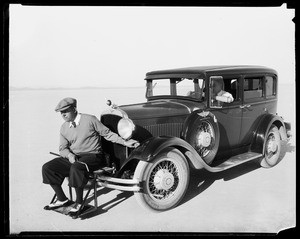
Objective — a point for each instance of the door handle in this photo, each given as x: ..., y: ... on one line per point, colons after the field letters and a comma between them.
x: 244, y: 106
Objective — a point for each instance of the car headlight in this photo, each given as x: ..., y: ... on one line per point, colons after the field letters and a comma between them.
x: 125, y: 128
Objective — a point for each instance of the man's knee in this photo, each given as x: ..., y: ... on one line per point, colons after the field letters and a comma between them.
x: 54, y: 166
x: 48, y: 174
x: 46, y: 167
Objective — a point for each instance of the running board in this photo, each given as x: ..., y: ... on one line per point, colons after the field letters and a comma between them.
x: 234, y: 161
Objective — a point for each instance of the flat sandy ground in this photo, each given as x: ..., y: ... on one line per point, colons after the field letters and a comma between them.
x: 245, y: 199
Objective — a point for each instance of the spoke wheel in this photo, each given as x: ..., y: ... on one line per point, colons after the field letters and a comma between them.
x: 164, y: 181
x: 205, y: 138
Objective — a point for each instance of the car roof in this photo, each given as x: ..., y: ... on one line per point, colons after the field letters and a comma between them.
x: 202, y: 71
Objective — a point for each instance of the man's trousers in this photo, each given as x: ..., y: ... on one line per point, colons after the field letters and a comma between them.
x: 55, y: 171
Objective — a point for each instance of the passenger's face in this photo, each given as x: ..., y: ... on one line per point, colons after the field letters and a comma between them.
x: 216, y: 87
x: 69, y: 114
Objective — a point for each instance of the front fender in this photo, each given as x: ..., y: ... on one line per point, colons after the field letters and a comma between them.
x: 264, y: 126
x: 194, y: 118
x: 153, y: 146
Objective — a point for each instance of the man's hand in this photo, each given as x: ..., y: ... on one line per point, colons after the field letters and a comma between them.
x: 72, y: 158
x: 131, y: 143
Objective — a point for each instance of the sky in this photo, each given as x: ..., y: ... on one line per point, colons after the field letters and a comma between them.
x: 73, y: 46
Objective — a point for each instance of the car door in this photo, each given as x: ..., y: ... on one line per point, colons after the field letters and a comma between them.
x: 229, y: 115
x: 253, y: 106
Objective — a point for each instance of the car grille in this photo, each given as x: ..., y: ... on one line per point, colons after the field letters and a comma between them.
x: 170, y: 129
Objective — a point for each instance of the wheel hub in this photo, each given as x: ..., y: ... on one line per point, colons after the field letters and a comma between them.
x: 271, y: 146
x: 163, y: 179
x: 204, y: 139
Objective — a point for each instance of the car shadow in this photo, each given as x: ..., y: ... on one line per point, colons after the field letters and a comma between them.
x: 200, y: 180
x: 103, y: 208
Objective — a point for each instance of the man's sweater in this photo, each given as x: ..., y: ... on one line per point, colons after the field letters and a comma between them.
x: 85, y: 137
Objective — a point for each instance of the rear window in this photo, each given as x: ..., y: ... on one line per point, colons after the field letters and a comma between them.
x: 270, y: 86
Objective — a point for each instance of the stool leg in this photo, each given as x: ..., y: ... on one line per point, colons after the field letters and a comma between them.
x: 95, y: 193
x: 94, y: 187
x: 53, y: 198
x: 83, y: 203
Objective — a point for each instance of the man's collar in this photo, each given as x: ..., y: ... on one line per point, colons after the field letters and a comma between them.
x: 76, y: 120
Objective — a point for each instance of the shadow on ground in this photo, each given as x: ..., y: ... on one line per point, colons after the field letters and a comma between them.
x: 200, y: 180
x: 103, y: 208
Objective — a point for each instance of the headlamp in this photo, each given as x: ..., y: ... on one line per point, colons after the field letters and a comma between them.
x: 125, y: 128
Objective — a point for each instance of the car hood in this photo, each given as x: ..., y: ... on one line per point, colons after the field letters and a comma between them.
x: 161, y: 108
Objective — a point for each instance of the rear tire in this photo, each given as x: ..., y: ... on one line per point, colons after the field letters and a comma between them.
x: 164, y: 180
x: 272, y: 148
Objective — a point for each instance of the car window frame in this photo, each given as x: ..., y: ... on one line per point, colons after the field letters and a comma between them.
x: 236, y: 102
x: 258, y: 99
x: 173, y: 90
x: 275, y: 87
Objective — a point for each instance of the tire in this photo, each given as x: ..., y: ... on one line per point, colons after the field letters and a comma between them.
x: 272, y: 148
x: 164, y: 180
x: 205, y: 138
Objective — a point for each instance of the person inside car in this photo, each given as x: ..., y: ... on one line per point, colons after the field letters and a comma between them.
x: 218, y: 93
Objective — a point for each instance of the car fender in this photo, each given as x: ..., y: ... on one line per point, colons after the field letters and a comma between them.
x: 264, y: 126
x: 196, y: 115
x: 150, y: 148
x: 191, y: 129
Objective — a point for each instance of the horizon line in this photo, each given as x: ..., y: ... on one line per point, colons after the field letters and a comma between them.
x: 72, y: 88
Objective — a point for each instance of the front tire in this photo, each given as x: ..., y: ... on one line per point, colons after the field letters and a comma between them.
x: 272, y: 148
x: 164, y: 181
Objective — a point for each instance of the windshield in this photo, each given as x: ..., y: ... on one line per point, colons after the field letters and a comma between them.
x: 174, y: 87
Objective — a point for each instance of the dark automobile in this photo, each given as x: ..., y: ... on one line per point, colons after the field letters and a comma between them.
x: 185, y: 124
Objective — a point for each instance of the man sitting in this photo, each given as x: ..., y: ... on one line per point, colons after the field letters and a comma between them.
x: 80, y: 152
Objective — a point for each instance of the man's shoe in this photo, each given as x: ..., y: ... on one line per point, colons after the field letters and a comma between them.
x: 74, y: 212
x: 75, y: 208
x: 57, y: 204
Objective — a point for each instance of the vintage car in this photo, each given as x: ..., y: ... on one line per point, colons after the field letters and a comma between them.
x: 185, y: 124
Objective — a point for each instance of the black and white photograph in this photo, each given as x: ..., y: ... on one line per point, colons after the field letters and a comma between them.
x: 155, y: 119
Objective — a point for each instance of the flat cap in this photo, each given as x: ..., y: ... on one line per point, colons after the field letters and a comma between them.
x: 65, y: 104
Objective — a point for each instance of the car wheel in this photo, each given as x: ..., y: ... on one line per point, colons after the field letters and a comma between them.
x: 205, y: 139
x: 164, y: 181
x: 272, y: 147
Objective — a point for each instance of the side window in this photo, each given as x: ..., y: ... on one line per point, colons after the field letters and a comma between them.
x: 253, y: 88
x: 222, y: 91
x: 270, y: 86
